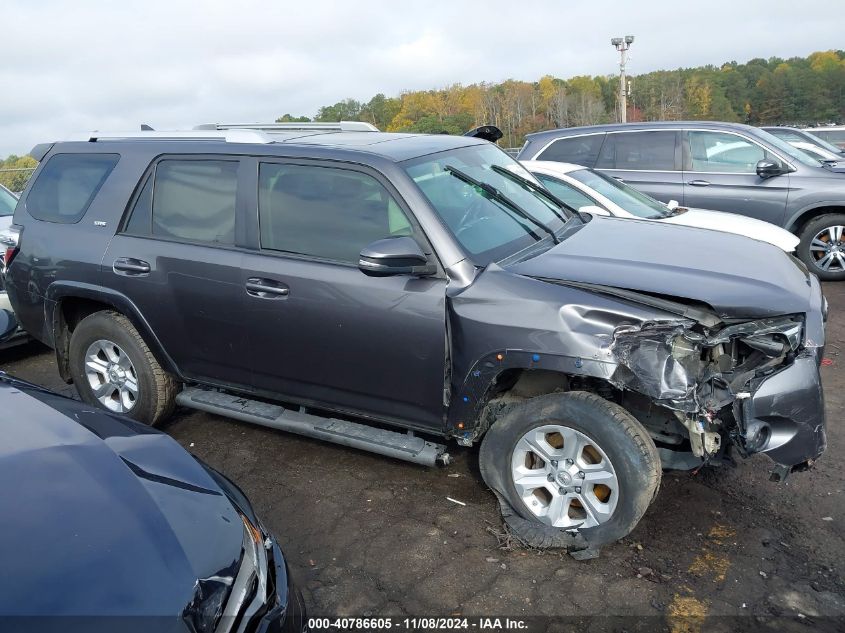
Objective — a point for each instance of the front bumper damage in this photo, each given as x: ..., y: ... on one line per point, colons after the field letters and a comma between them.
x: 784, y: 417
x: 755, y: 384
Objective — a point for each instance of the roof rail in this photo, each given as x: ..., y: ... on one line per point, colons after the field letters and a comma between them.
x: 230, y: 136
x: 339, y: 126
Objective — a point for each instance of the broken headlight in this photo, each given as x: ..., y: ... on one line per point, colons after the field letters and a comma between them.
x: 779, y: 334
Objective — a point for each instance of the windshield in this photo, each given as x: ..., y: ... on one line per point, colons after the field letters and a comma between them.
x: 631, y: 200
x: 485, y: 224
x: 7, y: 202
x: 786, y: 148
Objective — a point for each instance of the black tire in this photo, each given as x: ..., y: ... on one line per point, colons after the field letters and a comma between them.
x: 626, y: 443
x: 808, y: 232
x: 157, y: 388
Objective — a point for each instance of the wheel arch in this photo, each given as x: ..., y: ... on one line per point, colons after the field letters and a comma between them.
x: 517, y: 373
x: 796, y: 223
x: 70, y: 302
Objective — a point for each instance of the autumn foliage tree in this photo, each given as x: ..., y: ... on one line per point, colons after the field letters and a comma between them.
x: 800, y: 90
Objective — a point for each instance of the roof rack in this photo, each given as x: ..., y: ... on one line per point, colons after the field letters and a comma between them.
x: 338, y: 126
x: 230, y: 136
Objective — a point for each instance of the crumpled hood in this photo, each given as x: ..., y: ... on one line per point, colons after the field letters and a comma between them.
x: 737, y: 276
x: 102, y: 516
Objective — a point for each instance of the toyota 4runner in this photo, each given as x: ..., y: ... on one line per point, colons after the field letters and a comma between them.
x: 340, y: 283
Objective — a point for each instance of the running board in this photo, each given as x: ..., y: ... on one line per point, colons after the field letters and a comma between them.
x: 390, y: 443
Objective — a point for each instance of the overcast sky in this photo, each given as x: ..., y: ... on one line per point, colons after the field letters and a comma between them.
x: 79, y: 66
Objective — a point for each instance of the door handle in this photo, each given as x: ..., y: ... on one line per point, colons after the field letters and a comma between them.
x: 699, y: 183
x: 266, y: 288
x: 130, y: 267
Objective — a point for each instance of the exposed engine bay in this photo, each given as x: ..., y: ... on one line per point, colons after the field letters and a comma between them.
x: 698, y: 372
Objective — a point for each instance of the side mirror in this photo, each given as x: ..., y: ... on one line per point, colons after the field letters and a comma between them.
x: 672, y: 205
x: 594, y: 210
x: 8, y: 325
x: 395, y: 256
x: 769, y: 169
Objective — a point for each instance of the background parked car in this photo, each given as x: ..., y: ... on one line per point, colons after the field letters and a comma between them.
x: 103, y: 516
x: 793, y: 135
x: 831, y: 133
x: 721, y: 166
x: 8, y: 202
x: 589, y: 190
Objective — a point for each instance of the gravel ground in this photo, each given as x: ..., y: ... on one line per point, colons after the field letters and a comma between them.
x: 366, y: 535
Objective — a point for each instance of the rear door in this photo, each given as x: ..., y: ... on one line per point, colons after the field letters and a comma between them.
x: 648, y: 160
x: 322, y: 332
x: 720, y: 173
x: 178, y: 259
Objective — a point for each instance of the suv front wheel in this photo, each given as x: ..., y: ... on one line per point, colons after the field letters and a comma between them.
x: 113, y: 368
x: 822, y: 246
x: 569, y: 462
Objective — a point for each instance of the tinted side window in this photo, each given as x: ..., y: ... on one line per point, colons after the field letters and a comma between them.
x: 566, y: 192
x: 639, y: 150
x: 580, y: 150
x: 67, y: 185
x: 324, y: 212
x: 195, y: 200
x: 720, y: 152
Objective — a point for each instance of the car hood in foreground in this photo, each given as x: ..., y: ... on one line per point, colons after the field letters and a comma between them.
x: 736, y: 276
x: 739, y: 224
x: 102, y: 516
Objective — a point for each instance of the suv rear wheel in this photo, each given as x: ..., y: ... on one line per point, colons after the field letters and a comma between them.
x: 822, y: 246
x: 113, y: 368
x: 571, y: 461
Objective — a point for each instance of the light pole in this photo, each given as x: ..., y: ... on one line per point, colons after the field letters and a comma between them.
x: 622, y: 44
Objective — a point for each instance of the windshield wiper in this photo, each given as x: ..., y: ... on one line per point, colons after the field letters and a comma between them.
x: 497, y: 195
x: 548, y: 195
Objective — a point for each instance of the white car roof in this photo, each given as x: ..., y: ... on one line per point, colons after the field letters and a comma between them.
x: 550, y: 166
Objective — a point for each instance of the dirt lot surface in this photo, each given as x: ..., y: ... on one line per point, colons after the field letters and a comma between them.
x: 367, y: 535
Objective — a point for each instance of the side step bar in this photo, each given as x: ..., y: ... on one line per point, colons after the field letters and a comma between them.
x: 390, y: 443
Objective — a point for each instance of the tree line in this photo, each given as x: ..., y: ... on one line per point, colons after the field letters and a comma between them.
x: 15, y: 171
x: 795, y: 91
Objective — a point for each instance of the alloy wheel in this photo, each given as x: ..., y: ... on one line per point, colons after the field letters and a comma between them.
x: 111, y: 376
x: 828, y: 248
x: 564, y: 477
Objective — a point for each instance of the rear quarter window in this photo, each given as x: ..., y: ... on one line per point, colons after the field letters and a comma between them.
x: 67, y: 185
x: 579, y: 150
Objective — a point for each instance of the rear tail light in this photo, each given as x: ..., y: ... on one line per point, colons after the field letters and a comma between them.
x: 10, y: 243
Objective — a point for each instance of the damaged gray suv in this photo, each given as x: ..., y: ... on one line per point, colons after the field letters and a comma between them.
x: 382, y: 290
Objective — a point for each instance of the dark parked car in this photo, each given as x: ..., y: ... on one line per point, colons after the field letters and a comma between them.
x: 337, y: 284
x: 109, y: 525
x: 720, y: 166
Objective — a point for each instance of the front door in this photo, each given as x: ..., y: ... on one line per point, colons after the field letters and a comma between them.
x: 322, y: 332
x: 720, y: 173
